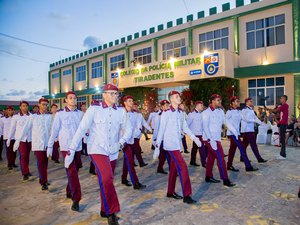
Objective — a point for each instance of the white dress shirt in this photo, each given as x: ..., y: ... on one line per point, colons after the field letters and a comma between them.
x: 248, y: 120
x: 108, y: 128
x: 172, y: 124
x: 6, y: 127
x: 194, y: 122
x: 233, y: 121
x: 64, y: 126
x: 151, y: 119
x: 1, y: 127
x: 140, y: 123
x: 17, y: 124
x: 157, y: 124
x: 40, y: 125
x: 132, y: 119
x: 213, y: 119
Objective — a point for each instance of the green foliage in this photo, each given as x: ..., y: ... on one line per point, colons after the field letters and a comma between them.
x: 204, y: 88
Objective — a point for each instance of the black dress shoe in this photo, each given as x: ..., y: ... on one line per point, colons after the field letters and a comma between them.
x: 262, y: 160
x: 25, y: 177
x: 225, y: 155
x: 143, y: 164
x: 250, y: 169
x: 148, y: 139
x: 299, y: 194
x: 48, y: 183
x: 10, y: 168
x: 189, y: 200
x: 139, y: 186
x: 152, y: 147
x: 75, y: 206
x: 135, y: 165
x: 228, y: 183
x: 44, y: 187
x: 232, y: 169
x: 112, y: 219
x: 204, y: 166
x: 29, y: 174
x: 126, y: 183
x: 211, y: 180
x: 92, y: 172
x: 186, y: 151
x: 69, y: 195
x: 15, y: 166
x: 194, y: 164
x: 162, y: 172
x: 175, y: 196
x: 56, y: 161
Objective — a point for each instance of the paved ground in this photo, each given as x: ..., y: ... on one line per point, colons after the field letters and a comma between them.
x: 264, y: 197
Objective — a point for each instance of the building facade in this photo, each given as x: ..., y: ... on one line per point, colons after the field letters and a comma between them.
x: 258, y: 44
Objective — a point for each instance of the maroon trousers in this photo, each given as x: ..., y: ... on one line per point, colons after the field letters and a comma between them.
x: 219, y: 155
x: 249, y: 137
x: 105, y: 172
x: 1, y: 146
x: 234, y: 143
x: 137, y: 150
x: 42, y: 165
x: 10, y: 154
x: 55, y: 153
x: 73, y: 186
x: 128, y: 165
x: 24, y: 153
x: 202, y: 152
x: 163, y: 155
x: 179, y: 166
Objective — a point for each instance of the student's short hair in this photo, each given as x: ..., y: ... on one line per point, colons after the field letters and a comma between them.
x: 285, y: 96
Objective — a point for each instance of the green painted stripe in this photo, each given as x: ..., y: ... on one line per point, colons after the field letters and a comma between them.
x: 87, y: 74
x: 296, y: 27
x: 236, y: 35
x: 155, y: 50
x: 296, y: 94
x: 104, y: 68
x: 267, y: 70
x: 60, y: 83
x: 190, y: 44
x: 73, y: 78
x: 127, y: 56
x: 49, y: 82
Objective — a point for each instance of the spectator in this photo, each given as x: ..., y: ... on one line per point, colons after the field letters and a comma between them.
x: 297, y: 132
x: 263, y: 131
x: 290, y: 128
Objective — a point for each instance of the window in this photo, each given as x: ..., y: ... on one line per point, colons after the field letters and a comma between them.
x: 80, y: 73
x: 174, y: 49
x: 117, y: 62
x: 266, y: 91
x: 214, y: 40
x: 266, y: 32
x: 55, y: 75
x: 80, y: 100
x: 97, y: 69
x: 97, y: 97
x: 143, y: 56
x: 56, y: 101
x: 67, y: 72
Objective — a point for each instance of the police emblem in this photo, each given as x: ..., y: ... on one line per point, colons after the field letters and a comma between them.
x: 211, y: 64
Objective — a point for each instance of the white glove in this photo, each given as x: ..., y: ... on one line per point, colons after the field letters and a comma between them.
x: 16, y: 145
x: 156, y: 153
x: 197, y: 142
x: 69, y: 158
x: 213, y: 144
x: 49, y: 152
x: 8, y: 142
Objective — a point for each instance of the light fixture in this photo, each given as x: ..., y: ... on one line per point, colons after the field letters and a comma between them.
x: 206, y: 52
x: 265, y: 61
x: 172, y: 62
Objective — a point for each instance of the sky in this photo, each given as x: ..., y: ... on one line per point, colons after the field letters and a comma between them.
x: 76, y: 26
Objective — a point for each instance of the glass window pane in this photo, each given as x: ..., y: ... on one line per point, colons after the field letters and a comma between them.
x: 260, y: 96
x: 280, y: 35
x: 280, y: 19
x: 252, y: 94
x: 250, y: 40
x: 261, y: 83
x: 259, y: 24
x: 279, y: 81
x: 217, y: 44
x: 270, y: 21
x: 164, y: 47
x: 224, y: 43
x: 270, y: 96
x: 260, y: 39
x: 183, y: 51
x: 209, y: 45
x: 209, y: 35
x: 225, y: 32
x: 202, y: 47
x: 269, y: 82
x: 202, y: 37
x: 250, y: 26
x: 182, y: 42
x: 164, y: 55
x: 217, y: 33
x: 270, y: 37
x: 279, y: 93
x: 251, y: 83
x: 177, y: 44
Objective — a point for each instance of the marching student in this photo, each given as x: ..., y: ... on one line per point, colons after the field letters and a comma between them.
x: 39, y: 124
x: 10, y: 154
x: 84, y: 145
x: 128, y: 161
x: 16, y: 127
x: 183, y: 138
x: 172, y: 124
x: 64, y: 126
x: 213, y: 119
x: 109, y: 132
x: 247, y: 129
x: 151, y: 123
x: 163, y: 155
x: 194, y: 122
x: 233, y: 121
x: 140, y: 123
x: 55, y: 153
